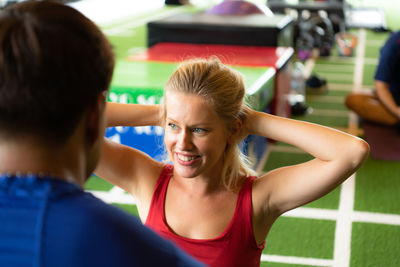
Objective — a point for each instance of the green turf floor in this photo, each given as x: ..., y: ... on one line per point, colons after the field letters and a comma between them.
x: 274, y: 264
x: 132, y: 209
x: 376, y: 189
x: 327, y: 105
x: 338, y: 121
x: 313, y: 238
x: 97, y: 184
x: 375, y: 245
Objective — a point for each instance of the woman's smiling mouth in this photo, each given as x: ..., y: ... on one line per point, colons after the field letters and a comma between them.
x: 186, y: 159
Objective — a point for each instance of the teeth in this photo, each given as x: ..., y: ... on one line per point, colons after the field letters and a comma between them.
x: 185, y: 158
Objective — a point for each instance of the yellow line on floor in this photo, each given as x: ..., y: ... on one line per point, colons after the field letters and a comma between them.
x: 334, y: 67
x: 340, y: 86
x: 330, y: 112
x: 324, y: 98
x: 371, y: 61
x: 375, y: 43
x: 348, y: 60
x: 336, y: 76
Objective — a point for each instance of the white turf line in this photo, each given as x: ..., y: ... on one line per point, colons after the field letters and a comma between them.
x: 325, y: 99
x: 120, y: 197
x: 330, y: 112
x: 354, y: 216
x: 334, y: 67
x: 342, y: 248
x: 296, y: 260
x: 114, y: 197
x: 340, y: 87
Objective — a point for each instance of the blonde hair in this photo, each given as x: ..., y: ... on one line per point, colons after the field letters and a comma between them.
x: 224, y: 89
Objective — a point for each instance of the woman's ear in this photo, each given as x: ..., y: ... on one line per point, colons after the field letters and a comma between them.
x: 235, y: 131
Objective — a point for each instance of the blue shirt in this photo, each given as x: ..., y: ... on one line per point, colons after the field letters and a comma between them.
x: 388, y: 69
x: 50, y: 222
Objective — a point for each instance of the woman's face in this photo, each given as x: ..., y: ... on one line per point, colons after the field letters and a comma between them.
x: 195, y: 136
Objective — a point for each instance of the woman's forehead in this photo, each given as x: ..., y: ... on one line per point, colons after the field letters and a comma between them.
x: 182, y: 100
x: 189, y: 107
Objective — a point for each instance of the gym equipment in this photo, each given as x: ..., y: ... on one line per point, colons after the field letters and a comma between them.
x: 368, y: 18
x: 346, y: 42
x: 297, y: 96
x: 316, y: 85
x: 341, y: 14
x: 314, y: 30
x: 239, y: 7
x: 204, y: 28
x: 332, y: 7
x: 317, y: 22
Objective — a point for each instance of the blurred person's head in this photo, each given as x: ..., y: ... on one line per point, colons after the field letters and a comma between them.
x: 55, y: 69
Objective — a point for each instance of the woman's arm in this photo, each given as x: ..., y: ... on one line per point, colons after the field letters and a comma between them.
x: 126, y: 167
x: 386, y: 98
x: 337, y: 156
x: 132, y: 115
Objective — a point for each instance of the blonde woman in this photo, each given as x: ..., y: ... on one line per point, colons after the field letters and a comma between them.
x: 208, y: 201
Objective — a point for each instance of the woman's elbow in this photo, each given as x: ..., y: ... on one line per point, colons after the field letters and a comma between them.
x: 359, y: 151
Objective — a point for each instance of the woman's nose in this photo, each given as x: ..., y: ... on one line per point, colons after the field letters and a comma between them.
x: 185, y: 141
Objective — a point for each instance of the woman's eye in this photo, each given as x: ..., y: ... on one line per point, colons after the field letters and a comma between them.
x: 172, y: 126
x: 198, y: 130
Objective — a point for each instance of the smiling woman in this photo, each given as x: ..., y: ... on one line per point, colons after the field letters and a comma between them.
x: 208, y: 201
x: 195, y: 136
x: 214, y: 95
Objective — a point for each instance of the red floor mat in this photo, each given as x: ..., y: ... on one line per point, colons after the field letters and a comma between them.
x: 254, y: 56
x: 384, y: 141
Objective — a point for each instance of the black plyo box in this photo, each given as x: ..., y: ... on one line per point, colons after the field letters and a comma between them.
x: 203, y: 28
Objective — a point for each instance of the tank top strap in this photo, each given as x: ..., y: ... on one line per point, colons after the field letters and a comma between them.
x: 243, y: 223
x: 164, y: 178
x: 244, y: 197
x: 157, y: 201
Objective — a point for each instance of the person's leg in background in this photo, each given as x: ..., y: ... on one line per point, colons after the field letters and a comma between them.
x: 367, y: 106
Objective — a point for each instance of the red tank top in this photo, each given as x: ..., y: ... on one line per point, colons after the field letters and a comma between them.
x: 236, y: 246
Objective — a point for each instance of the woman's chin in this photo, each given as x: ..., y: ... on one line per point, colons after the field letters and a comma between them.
x: 186, y: 171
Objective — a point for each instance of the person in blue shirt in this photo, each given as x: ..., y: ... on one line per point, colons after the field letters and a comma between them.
x: 383, y: 104
x: 55, y: 71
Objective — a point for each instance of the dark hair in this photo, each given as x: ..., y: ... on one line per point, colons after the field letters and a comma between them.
x: 54, y: 62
